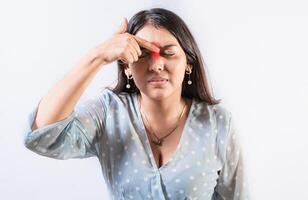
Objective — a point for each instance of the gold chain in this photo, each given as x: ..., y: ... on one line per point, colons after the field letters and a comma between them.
x: 160, y: 140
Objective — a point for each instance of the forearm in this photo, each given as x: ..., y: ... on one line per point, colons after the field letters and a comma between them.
x: 60, y: 101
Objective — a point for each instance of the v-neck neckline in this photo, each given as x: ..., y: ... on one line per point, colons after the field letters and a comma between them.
x: 148, y: 145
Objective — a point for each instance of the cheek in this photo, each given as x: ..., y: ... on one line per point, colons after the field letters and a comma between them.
x: 138, y: 74
x: 176, y: 72
x: 176, y: 66
x: 176, y: 78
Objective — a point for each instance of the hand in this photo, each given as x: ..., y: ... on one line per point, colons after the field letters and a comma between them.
x: 123, y: 46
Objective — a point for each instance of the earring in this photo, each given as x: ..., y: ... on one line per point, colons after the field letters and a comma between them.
x: 189, y: 82
x: 130, y: 76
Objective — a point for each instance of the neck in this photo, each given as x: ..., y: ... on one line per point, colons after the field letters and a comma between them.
x: 162, y: 110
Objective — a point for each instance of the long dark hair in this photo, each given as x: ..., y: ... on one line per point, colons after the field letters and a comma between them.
x: 159, y: 17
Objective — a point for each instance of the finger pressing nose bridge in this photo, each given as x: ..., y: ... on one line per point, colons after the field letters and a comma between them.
x: 155, y: 55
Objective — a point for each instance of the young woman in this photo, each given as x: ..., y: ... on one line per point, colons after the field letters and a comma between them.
x: 159, y: 133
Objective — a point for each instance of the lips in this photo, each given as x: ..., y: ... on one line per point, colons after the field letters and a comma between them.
x: 157, y: 79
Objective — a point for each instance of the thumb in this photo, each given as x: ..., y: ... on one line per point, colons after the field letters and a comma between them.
x: 123, y: 26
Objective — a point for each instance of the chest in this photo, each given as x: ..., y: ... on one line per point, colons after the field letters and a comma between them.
x: 162, y: 154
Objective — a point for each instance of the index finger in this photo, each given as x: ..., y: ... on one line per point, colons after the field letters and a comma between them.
x: 146, y: 44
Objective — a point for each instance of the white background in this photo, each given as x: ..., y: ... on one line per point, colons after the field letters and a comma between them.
x: 256, y: 55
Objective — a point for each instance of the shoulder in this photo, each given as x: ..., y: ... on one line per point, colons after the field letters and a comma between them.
x: 221, y: 112
x: 215, y: 117
x: 109, y: 97
x: 214, y: 112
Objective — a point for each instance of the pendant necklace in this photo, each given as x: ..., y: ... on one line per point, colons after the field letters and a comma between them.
x: 159, y: 141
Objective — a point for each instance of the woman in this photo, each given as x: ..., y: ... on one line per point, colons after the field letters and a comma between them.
x: 159, y: 134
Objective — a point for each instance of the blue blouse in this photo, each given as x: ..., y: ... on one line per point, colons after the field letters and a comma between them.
x: 207, y: 164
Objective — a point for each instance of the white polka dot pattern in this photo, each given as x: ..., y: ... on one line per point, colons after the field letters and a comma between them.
x: 207, y: 164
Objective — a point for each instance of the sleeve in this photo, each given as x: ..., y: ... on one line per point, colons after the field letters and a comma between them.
x: 232, y: 181
x: 76, y: 136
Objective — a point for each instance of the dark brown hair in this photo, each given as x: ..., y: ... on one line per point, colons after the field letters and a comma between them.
x: 162, y: 18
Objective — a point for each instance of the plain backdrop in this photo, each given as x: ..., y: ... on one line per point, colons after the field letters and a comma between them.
x: 256, y: 56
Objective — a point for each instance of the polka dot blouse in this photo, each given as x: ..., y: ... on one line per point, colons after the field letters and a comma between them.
x: 207, y: 163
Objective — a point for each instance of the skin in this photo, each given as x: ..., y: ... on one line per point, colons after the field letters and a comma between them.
x: 162, y: 103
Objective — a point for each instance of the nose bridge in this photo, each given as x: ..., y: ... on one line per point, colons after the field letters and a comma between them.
x: 156, y: 62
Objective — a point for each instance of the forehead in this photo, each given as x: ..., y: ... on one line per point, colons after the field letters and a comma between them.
x: 159, y: 36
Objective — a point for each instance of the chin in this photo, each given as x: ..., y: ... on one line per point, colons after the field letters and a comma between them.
x: 158, y: 94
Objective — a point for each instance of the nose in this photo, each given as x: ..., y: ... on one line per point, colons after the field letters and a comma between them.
x: 156, y: 65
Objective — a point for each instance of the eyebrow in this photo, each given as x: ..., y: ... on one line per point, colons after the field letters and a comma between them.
x: 162, y: 48
x: 167, y: 46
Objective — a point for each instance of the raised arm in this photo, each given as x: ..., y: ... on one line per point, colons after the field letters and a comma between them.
x: 56, y: 127
x: 60, y: 101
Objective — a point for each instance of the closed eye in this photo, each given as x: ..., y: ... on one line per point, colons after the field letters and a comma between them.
x: 146, y: 54
x: 168, y: 54
x: 143, y: 55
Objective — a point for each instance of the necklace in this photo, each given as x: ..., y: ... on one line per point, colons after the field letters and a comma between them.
x: 159, y: 141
